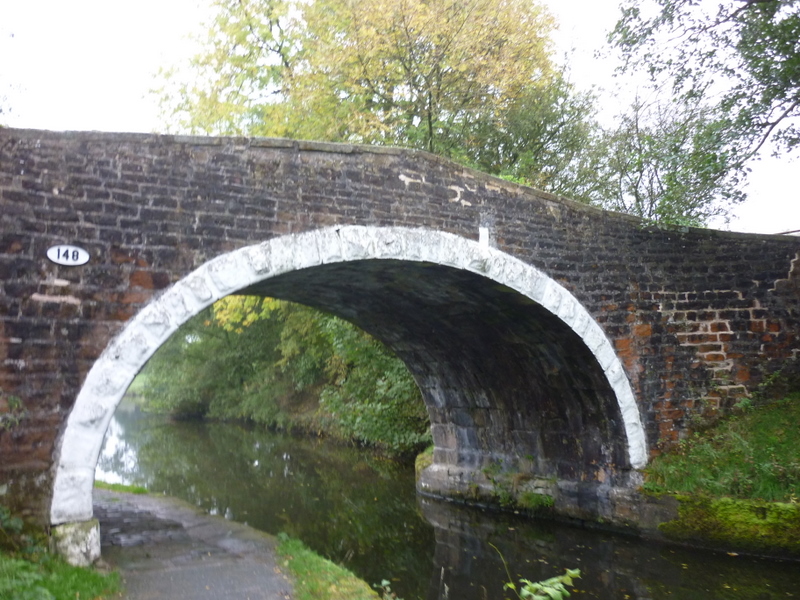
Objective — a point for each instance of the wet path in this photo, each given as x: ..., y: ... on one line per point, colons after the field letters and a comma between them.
x: 166, y: 549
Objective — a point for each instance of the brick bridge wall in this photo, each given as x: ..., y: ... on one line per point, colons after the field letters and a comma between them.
x: 698, y: 318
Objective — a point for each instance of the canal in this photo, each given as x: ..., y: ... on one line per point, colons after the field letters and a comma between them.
x: 361, y: 510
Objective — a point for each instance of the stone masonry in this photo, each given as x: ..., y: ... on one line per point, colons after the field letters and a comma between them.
x: 515, y: 375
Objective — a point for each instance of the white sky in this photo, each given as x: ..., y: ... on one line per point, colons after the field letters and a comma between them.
x: 89, y: 64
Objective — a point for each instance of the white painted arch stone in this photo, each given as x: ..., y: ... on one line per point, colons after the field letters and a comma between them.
x: 127, y: 353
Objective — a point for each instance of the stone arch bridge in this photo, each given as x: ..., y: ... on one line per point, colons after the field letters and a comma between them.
x: 551, y: 340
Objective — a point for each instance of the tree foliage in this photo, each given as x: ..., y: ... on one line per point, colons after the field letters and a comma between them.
x: 546, y: 138
x: 670, y: 163
x: 419, y: 73
x: 288, y: 366
x: 236, y: 84
x: 408, y: 72
x: 743, y: 55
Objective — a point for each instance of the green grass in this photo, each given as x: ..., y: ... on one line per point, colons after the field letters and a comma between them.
x: 316, y: 578
x: 753, y: 455
x: 29, y: 572
x: 49, y: 578
x: 120, y: 487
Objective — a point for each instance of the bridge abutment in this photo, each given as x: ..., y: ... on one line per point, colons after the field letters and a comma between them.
x: 613, y: 500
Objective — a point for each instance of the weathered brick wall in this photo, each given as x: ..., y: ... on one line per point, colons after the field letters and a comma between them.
x: 698, y: 317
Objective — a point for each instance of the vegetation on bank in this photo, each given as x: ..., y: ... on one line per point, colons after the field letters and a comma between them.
x: 751, y: 455
x: 48, y: 577
x: 753, y: 526
x: 316, y: 578
x: 738, y: 483
x: 29, y: 572
x: 288, y: 367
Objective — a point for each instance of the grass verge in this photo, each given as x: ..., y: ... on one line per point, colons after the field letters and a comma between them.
x: 753, y: 455
x: 47, y: 577
x: 29, y: 572
x: 120, y: 487
x: 316, y: 578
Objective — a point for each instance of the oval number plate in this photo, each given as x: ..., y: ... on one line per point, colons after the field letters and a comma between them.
x: 68, y: 255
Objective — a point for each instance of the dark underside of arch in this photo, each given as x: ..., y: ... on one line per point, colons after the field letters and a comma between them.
x: 505, y: 380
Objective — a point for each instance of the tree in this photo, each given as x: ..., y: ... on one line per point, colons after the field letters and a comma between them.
x: 547, y: 138
x: 447, y: 76
x: 365, y: 392
x: 670, y: 163
x: 235, y: 85
x: 473, y: 81
x: 418, y: 73
x: 743, y: 55
x: 206, y: 370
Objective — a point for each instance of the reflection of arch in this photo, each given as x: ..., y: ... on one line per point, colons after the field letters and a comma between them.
x: 111, y: 374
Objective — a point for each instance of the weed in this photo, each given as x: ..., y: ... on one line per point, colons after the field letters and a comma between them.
x: 535, y: 502
x: 424, y: 460
x: 552, y: 589
x: 14, y: 538
x: 11, y: 528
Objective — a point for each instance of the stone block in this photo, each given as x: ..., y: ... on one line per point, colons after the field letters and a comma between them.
x: 78, y: 543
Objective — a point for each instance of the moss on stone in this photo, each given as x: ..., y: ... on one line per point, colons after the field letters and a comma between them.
x: 748, y: 525
x: 78, y: 543
x: 423, y: 461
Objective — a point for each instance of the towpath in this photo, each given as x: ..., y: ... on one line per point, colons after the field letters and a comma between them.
x: 167, y: 549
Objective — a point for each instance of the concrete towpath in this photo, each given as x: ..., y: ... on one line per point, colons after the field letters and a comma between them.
x: 166, y: 549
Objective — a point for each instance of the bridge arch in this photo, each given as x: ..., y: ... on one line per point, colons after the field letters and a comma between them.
x: 314, y: 267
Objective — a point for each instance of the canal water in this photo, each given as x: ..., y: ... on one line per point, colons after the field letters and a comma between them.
x: 362, y: 511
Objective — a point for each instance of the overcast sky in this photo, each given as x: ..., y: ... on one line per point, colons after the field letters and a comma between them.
x: 89, y: 64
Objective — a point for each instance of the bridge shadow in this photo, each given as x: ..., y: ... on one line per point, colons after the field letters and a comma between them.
x: 507, y: 383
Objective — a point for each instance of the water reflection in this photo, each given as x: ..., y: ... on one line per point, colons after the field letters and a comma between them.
x: 362, y: 511
x: 612, y: 566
